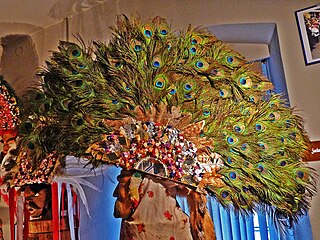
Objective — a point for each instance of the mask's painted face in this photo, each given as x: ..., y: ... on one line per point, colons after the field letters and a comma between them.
x: 7, y: 142
x: 36, y: 202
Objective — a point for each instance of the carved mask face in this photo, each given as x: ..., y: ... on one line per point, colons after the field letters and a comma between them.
x: 36, y: 202
x: 7, y: 142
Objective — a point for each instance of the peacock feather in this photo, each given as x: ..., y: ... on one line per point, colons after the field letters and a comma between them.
x: 182, y: 106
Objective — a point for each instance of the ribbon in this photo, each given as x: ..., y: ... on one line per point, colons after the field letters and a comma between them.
x: 26, y: 222
x: 77, y: 183
x: 70, y: 212
x: 63, y: 191
x: 59, y: 204
x: 55, y: 211
x: 12, y: 209
x: 19, y: 217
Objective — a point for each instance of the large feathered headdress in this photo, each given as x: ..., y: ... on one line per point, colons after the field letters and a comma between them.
x: 184, y: 107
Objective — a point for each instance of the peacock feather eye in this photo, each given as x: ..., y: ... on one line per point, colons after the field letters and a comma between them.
x: 196, y: 40
x: 26, y: 127
x: 283, y: 163
x: 274, y: 116
x: 160, y: 82
x: 115, y: 101
x: 263, y: 146
x: 239, y: 128
x: 74, y: 51
x: 261, y: 168
x: 224, y: 93
x: 31, y: 145
x: 172, y: 91
x: 229, y: 160
x: 80, y: 121
x: 232, y: 140
x: 245, y: 82
x: 147, y: 31
x: 260, y: 127
x: 79, y: 83
x: 137, y: 48
x: 206, y: 112
x: 300, y: 174
x: 230, y: 59
x: 224, y: 194
x: 199, y: 64
x: 156, y: 63
x: 193, y: 50
x: 187, y: 87
x: 136, y: 45
x: 117, y: 63
x: 81, y: 66
x: 232, y: 175
x: 163, y: 31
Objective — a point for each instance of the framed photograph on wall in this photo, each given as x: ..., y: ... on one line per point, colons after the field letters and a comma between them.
x: 308, y: 20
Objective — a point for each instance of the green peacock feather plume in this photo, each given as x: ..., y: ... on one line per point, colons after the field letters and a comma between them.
x: 185, y: 105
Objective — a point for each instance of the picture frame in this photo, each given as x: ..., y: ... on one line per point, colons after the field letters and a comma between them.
x: 308, y: 21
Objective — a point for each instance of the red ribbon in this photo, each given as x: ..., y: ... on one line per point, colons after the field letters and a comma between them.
x: 63, y: 191
x: 55, y: 211
x: 77, y: 210
x: 12, y: 210
x: 26, y: 222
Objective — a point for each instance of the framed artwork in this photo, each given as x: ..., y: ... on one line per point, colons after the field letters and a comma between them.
x: 308, y: 20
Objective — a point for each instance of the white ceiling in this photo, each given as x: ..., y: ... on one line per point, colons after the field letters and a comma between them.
x: 29, y: 16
